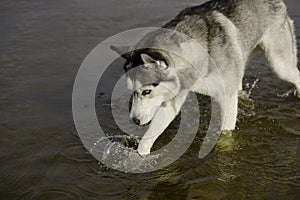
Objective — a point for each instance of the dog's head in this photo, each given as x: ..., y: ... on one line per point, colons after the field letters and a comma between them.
x: 152, y: 80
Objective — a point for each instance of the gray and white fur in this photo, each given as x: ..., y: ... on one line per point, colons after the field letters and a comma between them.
x: 230, y: 31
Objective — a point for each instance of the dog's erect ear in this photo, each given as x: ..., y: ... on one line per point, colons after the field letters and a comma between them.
x: 160, y: 64
x: 123, y: 51
x: 147, y: 59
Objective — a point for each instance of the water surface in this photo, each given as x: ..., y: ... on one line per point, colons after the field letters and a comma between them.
x: 42, y: 46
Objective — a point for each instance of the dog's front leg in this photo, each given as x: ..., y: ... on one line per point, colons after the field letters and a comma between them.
x: 161, y: 120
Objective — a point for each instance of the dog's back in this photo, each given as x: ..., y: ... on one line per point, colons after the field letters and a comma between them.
x: 251, y: 18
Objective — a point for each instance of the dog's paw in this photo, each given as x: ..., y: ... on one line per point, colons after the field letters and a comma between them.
x: 144, y: 148
x: 226, y: 142
x: 143, y: 152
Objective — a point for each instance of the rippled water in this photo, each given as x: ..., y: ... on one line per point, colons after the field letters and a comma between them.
x: 42, y: 46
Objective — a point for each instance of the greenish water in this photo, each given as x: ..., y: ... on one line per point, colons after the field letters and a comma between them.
x: 42, y: 46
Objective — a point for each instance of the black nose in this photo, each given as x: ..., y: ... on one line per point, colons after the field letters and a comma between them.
x: 136, y: 121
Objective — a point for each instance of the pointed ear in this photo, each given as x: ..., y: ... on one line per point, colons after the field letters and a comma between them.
x: 160, y: 64
x: 123, y: 51
x: 147, y: 59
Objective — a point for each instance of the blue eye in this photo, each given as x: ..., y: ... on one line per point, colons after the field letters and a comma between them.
x: 146, y: 92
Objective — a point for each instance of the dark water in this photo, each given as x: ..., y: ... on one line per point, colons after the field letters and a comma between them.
x: 42, y: 46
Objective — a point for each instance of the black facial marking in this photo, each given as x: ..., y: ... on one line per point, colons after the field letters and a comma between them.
x: 146, y: 92
x: 133, y: 58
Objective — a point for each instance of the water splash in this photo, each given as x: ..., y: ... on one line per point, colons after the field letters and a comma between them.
x: 251, y: 88
x: 246, y: 104
x: 291, y: 92
x: 128, y: 141
x: 121, y: 156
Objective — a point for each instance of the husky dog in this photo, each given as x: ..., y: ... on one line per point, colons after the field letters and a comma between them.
x: 230, y: 31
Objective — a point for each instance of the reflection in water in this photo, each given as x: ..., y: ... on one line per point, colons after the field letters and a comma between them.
x: 43, y: 44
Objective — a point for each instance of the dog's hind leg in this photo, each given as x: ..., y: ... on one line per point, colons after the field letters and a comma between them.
x: 279, y: 45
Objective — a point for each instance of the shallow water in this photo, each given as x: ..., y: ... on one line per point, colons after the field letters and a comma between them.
x: 42, y: 46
